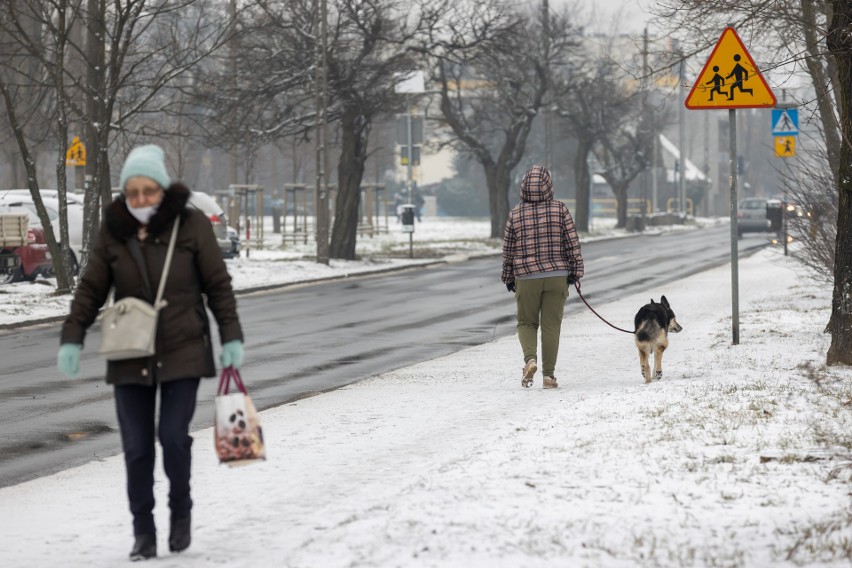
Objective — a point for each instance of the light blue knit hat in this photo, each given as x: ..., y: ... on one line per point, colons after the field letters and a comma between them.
x: 148, y: 161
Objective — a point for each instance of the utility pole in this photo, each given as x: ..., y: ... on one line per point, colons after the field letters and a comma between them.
x: 410, y: 173
x: 322, y: 216
x: 97, y: 150
x: 681, y: 132
x: 548, y: 123
x: 649, y: 128
x: 232, y: 65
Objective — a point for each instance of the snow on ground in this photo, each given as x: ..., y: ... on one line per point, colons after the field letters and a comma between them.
x: 739, y: 456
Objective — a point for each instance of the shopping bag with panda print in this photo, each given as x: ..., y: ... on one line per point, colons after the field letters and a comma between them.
x: 238, y: 435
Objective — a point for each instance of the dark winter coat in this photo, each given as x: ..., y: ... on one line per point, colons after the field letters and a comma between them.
x: 540, y: 235
x: 184, y: 346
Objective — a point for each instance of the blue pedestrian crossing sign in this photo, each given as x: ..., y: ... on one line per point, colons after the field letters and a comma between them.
x: 785, y: 122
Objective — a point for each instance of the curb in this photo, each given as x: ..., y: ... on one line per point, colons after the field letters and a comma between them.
x: 271, y: 287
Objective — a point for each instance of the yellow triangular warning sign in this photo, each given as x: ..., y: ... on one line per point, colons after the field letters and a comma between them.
x: 730, y: 79
x: 76, y: 154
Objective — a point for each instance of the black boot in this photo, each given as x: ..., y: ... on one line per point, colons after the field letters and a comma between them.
x: 180, y: 535
x: 144, y: 548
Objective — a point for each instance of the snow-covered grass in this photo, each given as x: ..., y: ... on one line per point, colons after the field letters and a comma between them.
x: 740, y: 456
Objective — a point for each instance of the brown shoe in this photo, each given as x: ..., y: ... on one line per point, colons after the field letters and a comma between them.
x: 529, y: 372
x: 550, y: 383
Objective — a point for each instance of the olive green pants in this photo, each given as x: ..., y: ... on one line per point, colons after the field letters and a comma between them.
x: 541, y: 300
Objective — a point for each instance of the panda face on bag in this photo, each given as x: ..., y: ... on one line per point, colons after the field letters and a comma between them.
x: 237, y: 421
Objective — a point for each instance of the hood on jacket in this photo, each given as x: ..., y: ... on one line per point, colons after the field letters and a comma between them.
x: 537, y: 185
x: 123, y: 225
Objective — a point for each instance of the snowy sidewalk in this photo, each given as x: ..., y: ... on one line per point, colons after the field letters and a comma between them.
x: 451, y: 463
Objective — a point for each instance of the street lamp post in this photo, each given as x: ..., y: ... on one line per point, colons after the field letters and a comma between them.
x: 409, y: 84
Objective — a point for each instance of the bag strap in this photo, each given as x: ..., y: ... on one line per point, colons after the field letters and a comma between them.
x: 136, y: 253
x: 167, y: 264
x: 230, y: 374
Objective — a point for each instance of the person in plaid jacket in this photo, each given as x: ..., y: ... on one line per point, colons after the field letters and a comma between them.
x: 541, y: 258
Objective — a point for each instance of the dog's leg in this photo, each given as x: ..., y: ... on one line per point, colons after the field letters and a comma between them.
x: 644, y: 355
x: 658, y: 361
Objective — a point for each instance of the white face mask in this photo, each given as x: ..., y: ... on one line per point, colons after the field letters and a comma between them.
x: 142, y: 214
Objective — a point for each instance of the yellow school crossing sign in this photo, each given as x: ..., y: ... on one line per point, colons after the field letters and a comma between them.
x: 730, y: 79
x: 76, y: 154
x: 785, y: 146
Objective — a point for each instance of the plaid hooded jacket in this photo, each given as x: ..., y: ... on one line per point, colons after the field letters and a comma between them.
x: 540, y: 235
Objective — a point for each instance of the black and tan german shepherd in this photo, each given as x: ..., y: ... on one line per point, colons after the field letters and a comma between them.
x: 652, y: 324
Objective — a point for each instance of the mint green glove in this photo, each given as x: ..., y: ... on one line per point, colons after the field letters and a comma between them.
x: 68, y: 359
x: 232, y: 354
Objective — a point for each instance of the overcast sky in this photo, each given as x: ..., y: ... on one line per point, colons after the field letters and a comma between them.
x: 629, y: 15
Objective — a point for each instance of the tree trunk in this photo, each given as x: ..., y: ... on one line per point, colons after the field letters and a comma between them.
x: 350, y: 170
x: 620, y: 192
x: 840, y: 324
x: 582, y: 181
x: 97, y: 125
x: 498, y: 181
x: 823, y: 86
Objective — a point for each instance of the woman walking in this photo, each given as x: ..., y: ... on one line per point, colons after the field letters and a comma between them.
x: 128, y: 258
x: 541, y: 257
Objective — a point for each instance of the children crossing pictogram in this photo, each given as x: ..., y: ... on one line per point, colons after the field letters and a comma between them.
x: 740, y: 75
x: 718, y: 82
x: 730, y: 78
x: 76, y: 153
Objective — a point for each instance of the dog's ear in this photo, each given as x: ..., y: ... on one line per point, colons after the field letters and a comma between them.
x: 664, y: 301
x: 652, y: 300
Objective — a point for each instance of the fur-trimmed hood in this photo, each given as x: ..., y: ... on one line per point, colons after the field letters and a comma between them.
x: 123, y: 225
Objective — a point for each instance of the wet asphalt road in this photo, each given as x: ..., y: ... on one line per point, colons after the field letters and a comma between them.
x: 308, y: 339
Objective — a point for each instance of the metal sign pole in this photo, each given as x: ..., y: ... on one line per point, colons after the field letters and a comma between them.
x: 410, y: 174
x: 724, y: 63
x: 735, y: 290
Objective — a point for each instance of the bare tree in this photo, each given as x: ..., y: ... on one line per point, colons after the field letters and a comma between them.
x: 624, y: 151
x: 133, y: 49
x: 29, y: 95
x: 48, y: 48
x: 369, y: 45
x: 591, y: 94
x: 492, y: 91
x: 839, y: 43
x: 810, y: 186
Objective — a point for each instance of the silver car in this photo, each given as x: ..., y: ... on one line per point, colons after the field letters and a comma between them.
x: 226, y: 236
x: 751, y: 216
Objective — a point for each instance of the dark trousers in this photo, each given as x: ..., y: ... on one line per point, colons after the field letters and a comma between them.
x: 136, y: 409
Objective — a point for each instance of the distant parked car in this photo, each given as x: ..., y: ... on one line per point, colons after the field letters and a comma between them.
x: 12, y: 202
x: 751, y: 216
x: 226, y: 236
x: 70, y: 197
x: 23, y: 258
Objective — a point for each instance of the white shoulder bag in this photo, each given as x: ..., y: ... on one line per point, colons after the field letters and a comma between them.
x: 129, y: 327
